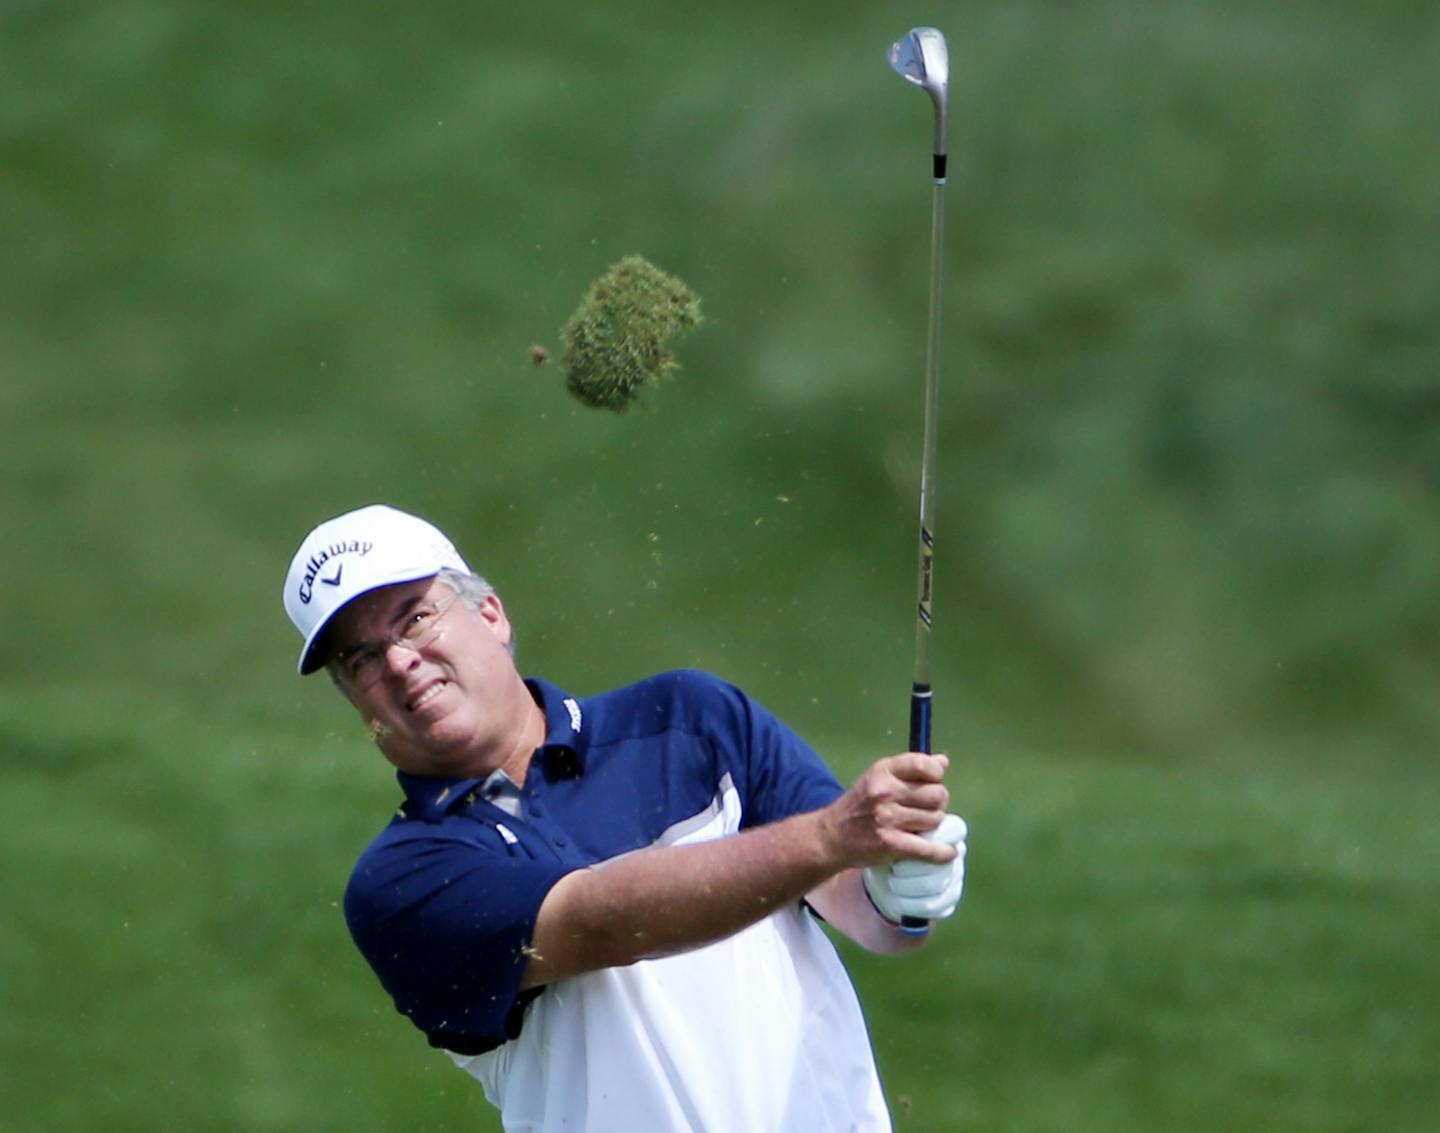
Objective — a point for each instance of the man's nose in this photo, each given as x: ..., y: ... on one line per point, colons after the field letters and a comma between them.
x: 401, y: 657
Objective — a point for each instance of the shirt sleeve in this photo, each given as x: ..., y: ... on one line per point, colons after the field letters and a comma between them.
x: 444, y: 920
x: 776, y: 772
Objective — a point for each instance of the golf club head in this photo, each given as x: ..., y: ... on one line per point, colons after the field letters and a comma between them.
x: 922, y: 58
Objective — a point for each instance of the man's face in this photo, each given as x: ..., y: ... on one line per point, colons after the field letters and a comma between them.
x: 448, y: 707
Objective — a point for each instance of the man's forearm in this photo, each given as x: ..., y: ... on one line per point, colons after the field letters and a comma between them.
x: 672, y: 899
x: 841, y: 900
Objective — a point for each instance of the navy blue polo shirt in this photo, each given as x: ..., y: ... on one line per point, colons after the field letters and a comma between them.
x: 443, y: 903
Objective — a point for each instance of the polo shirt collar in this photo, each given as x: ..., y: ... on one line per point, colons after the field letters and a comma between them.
x: 431, y: 799
x: 564, y: 721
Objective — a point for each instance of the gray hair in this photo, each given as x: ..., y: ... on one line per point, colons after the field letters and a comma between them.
x: 473, y: 590
x: 471, y: 587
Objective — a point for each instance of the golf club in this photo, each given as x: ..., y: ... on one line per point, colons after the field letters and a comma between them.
x: 923, y: 59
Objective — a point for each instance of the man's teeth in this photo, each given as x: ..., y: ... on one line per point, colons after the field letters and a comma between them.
x: 428, y: 695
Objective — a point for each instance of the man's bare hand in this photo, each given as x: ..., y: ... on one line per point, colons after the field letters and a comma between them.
x: 885, y: 815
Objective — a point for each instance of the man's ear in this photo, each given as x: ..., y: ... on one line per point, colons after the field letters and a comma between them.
x: 492, y: 612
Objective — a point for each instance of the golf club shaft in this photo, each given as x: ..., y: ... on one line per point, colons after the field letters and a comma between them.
x: 921, y: 694
x: 921, y: 691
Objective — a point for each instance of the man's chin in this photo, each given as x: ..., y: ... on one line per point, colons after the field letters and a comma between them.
x: 437, y: 753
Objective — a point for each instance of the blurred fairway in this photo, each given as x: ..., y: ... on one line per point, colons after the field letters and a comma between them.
x: 266, y: 262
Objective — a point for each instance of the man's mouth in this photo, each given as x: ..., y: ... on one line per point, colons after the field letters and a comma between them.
x: 430, y: 693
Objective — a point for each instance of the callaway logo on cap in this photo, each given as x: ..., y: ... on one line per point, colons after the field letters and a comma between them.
x: 354, y: 553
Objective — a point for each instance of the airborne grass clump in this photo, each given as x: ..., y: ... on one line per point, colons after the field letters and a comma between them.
x: 615, y: 341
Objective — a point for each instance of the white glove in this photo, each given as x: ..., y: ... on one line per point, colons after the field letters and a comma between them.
x: 926, y: 890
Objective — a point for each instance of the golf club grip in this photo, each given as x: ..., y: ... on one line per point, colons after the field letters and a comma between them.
x: 921, y: 698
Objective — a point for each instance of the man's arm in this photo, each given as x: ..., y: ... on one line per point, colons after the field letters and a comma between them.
x: 842, y: 901
x: 672, y: 899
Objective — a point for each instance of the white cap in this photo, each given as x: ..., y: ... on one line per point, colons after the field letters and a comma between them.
x: 353, y: 554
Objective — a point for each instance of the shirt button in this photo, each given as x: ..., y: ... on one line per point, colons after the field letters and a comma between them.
x: 561, y: 841
x: 536, y: 808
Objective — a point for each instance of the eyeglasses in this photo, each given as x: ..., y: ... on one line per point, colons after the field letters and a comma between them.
x: 360, y: 666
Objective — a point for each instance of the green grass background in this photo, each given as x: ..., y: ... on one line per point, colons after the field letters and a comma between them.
x: 264, y: 262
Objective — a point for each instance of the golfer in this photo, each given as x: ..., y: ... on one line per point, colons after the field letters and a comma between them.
x: 607, y: 908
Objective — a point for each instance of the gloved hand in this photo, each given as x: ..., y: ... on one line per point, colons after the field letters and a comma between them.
x: 925, y: 890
